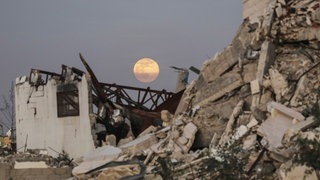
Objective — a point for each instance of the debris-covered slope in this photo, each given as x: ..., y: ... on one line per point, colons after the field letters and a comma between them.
x: 270, y: 73
x: 263, y: 63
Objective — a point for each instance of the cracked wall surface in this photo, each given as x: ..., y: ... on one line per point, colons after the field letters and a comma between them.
x: 38, y: 124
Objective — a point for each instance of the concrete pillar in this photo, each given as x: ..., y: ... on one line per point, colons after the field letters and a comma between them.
x: 182, y: 80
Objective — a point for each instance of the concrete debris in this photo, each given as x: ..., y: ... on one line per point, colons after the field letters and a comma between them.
x: 255, y: 87
x: 289, y: 172
x: 279, y: 84
x: 274, y: 128
x: 119, y: 172
x: 95, y: 159
x: 250, y: 142
x: 140, y: 144
x: 226, y: 134
x: 151, y: 146
x: 166, y: 117
x: 296, y: 128
x: 252, y: 113
x: 253, y: 122
x: 27, y: 165
x: 34, y: 164
x: 110, y: 140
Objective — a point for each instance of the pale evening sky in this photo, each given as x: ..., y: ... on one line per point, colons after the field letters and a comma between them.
x: 112, y: 35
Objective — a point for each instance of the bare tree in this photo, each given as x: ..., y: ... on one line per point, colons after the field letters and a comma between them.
x: 7, y: 109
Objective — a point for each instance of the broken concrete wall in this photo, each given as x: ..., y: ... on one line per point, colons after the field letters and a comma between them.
x: 8, y: 173
x: 38, y: 124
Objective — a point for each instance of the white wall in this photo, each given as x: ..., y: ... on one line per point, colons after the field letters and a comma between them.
x: 39, y: 127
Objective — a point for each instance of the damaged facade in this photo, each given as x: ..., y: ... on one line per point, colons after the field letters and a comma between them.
x: 54, y: 112
x: 252, y: 113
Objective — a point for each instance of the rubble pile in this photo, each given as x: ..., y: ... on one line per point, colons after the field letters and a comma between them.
x: 37, y: 156
x: 173, y: 141
x: 253, y: 112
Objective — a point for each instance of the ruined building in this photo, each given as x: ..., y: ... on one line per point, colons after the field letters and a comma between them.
x: 54, y: 111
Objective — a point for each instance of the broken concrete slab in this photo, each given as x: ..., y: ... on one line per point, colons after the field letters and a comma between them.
x: 125, y: 141
x: 139, y: 144
x: 279, y: 84
x: 253, y: 122
x: 8, y: 173
x: 249, y: 72
x: 309, y: 135
x: 187, y: 96
x: 96, y: 158
x: 28, y: 165
x: 268, y: 18
x: 282, y: 2
x: 296, y: 128
x: 285, y: 110
x: 255, y: 87
x: 249, y: 142
x: 265, y: 60
x: 299, y: 92
x: 119, y: 172
x: 166, y: 117
x: 297, y: 172
x: 280, y: 120
x: 240, y: 133
x: 265, y: 98
x: 215, y: 67
x: 111, y: 140
x: 277, y: 157
x: 218, y: 88
x: 223, y: 62
x: 227, y: 132
x: 189, y: 131
x: 180, y: 139
x: 188, y: 136
x: 149, y: 130
x: 279, y: 10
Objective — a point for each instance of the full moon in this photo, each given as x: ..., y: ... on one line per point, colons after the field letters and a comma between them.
x: 146, y: 70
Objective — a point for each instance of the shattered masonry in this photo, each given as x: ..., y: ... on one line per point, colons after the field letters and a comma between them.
x: 252, y: 113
